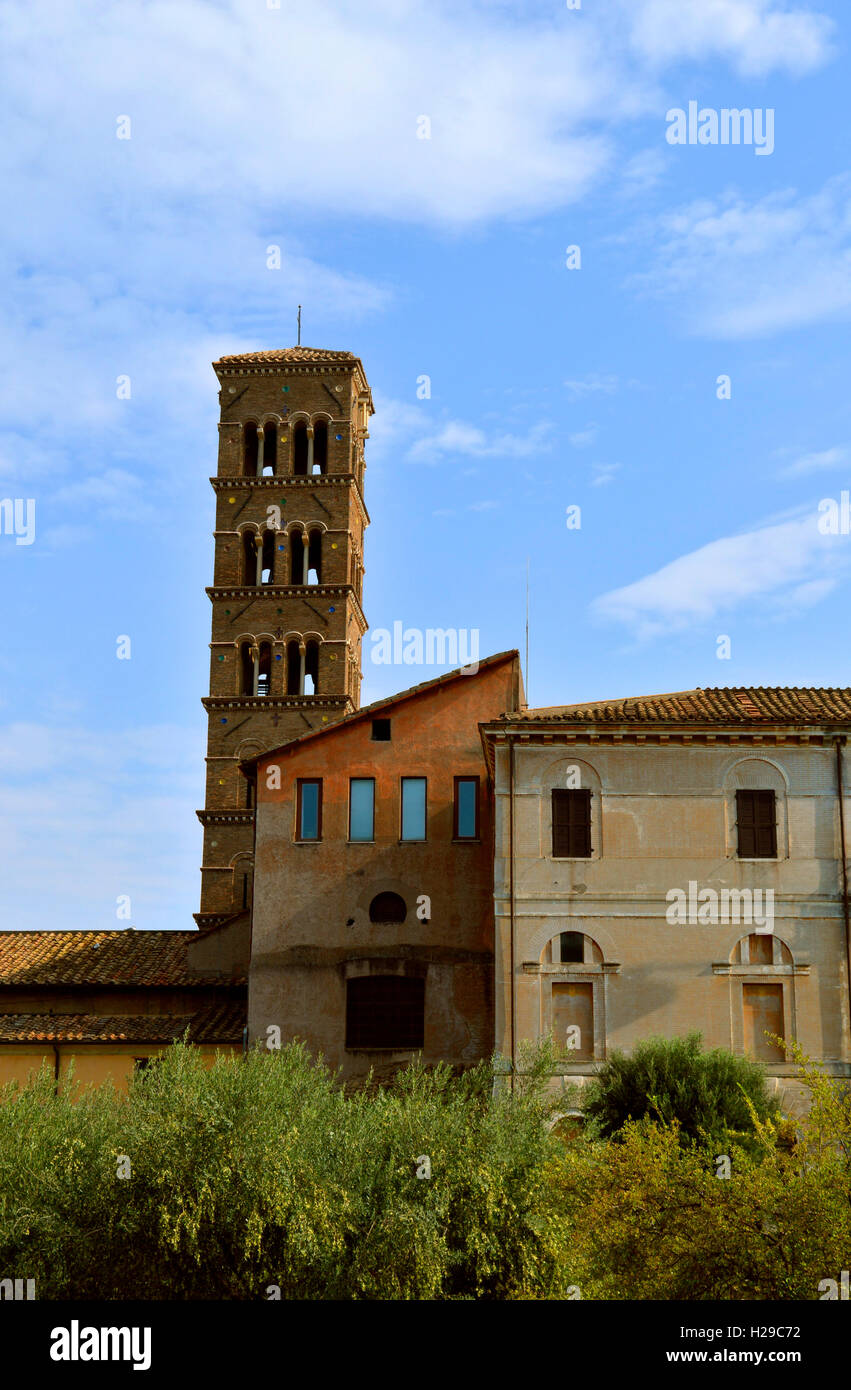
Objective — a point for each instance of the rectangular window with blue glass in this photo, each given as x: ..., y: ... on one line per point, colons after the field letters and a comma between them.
x: 413, y: 808
x: 466, y: 819
x: 362, y: 808
x: 309, y: 809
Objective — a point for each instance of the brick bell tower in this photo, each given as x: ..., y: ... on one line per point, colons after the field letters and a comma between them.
x: 285, y: 654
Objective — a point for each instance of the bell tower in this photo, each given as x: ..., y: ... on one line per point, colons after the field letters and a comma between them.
x: 287, y: 625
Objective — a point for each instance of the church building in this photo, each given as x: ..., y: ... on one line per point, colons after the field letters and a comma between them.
x: 448, y: 872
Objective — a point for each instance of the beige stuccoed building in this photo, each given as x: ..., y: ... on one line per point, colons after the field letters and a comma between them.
x: 669, y: 863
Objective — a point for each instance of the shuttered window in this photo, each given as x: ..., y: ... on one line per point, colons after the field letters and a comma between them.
x: 757, y: 824
x: 572, y: 824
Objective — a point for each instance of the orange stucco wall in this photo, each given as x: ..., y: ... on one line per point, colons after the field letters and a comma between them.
x: 311, y: 927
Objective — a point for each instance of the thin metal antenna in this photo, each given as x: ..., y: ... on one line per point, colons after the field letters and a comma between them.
x: 527, y: 632
x: 299, y: 325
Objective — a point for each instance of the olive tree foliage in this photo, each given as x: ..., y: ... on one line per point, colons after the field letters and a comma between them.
x: 264, y: 1178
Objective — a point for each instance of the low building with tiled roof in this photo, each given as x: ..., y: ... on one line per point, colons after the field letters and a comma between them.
x: 111, y: 999
x: 221, y: 1023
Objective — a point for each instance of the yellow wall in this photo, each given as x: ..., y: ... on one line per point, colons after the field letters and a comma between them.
x: 93, y: 1063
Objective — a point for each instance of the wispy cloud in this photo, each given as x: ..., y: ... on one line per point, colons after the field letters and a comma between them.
x: 425, y: 439
x: 584, y: 386
x: 741, y: 269
x: 582, y: 439
x: 603, y: 473
x: 114, y: 495
x: 66, y: 869
x: 784, y: 563
x: 755, y: 36
x: 837, y: 457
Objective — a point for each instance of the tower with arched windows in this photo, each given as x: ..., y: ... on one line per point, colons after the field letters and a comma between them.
x: 287, y: 621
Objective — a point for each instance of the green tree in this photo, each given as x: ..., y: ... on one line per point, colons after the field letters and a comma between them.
x: 711, y: 1095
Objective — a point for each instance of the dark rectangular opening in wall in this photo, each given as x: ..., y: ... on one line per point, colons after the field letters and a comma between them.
x: 385, y: 1011
x: 381, y: 730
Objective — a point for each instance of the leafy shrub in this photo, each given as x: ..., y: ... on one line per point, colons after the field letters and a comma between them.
x: 708, y: 1094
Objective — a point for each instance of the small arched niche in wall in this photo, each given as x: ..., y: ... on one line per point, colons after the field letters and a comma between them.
x: 387, y: 907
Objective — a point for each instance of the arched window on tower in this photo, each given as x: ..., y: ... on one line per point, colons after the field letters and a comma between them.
x: 242, y: 869
x: 270, y: 449
x: 246, y: 669
x: 296, y: 557
x: 302, y: 667
x: 300, y: 449
x: 267, y: 569
x: 264, y: 669
x: 250, y: 450
x: 311, y: 669
x: 314, y: 558
x: 293, y: 669
x: 249, y: 557
x: 320, y: 447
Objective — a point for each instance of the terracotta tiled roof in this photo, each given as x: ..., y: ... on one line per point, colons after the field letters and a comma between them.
x: 99, y: 958
x: 717, y: 705
x: 290, y: 354
x: 218, y: 1023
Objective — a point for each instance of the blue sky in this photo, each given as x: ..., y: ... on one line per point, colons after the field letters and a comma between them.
x: 551, y: 387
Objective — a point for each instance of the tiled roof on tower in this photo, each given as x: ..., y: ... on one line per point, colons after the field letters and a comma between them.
x: 290, y: 354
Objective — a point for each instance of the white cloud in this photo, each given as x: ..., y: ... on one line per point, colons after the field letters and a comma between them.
x: 86, y: 816
x: 644, y: 170
x: 746, y: 269
x: 836, y: 457
x: 789, y: 560
x: 426, y: 440
x: 583, y: 438
x: 131, y: 253
x: 585, y: 386
x: 755, y: 36
x: 603, y: 473
x: 114, y: 495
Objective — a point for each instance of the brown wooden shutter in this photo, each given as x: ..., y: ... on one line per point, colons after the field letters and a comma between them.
x: 572, y: 824
x: 756, y: 818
